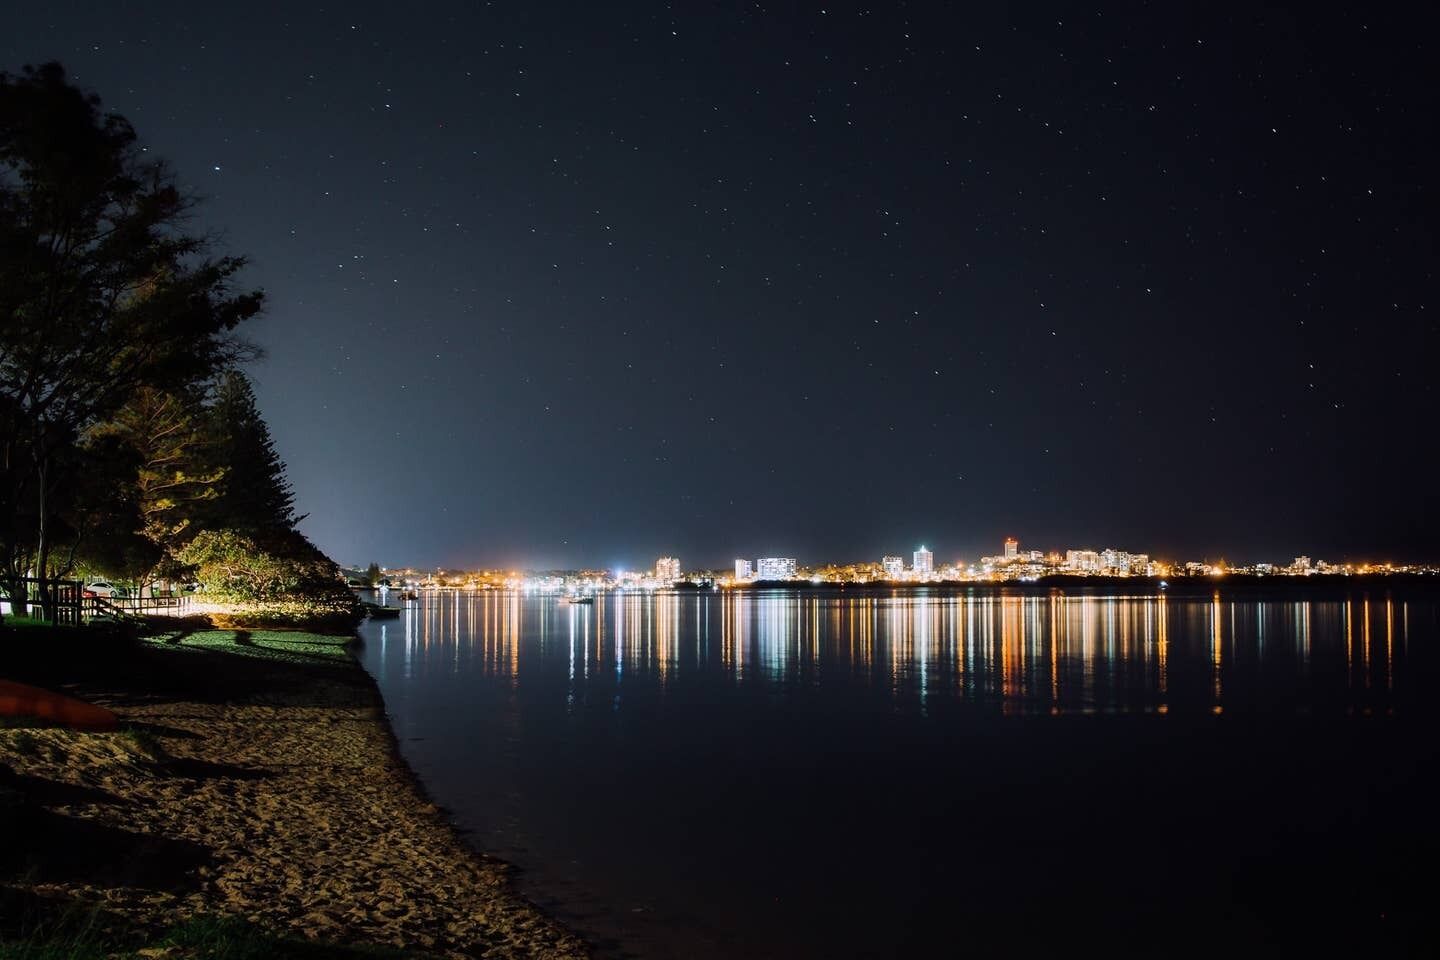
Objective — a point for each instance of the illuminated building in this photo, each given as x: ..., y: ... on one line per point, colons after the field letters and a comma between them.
x: 924, y: 563
x: 1012, y: 548
x: 775, y: 568
x: 1023, y: 565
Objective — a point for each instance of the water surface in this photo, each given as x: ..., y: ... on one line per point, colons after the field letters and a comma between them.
x: 781, y: 773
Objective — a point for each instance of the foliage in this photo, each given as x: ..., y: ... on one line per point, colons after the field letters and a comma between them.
x: 254, y: 496
x: 102, y: 294
x: 145, y: 742
x: 170, y: 474
x: 283, y: 580
x: 336, y: 612
x: 93, y: 518
x: 230, y: 564
x: 196, y: 466
x: 372, y: 575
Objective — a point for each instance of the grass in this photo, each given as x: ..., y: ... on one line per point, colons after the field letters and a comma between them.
x: 229, y: 938
x: 17, y: 632
x: 60, y: 948
x: 76, y: 935
x: 145, y: 741
x: 27, y: 623
x: 286, y: 646
x: 32, y: 928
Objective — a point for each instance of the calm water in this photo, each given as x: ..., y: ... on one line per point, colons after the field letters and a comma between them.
x: 811, y: 774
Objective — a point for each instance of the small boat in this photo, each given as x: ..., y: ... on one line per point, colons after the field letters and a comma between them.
x: 384, y: 613
x: 577, y: 599
x: 21, y: 700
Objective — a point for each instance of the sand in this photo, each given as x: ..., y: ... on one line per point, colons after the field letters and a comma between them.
x: 260, y: 788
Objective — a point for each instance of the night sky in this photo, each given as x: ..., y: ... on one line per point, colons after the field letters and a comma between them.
x: 560, y: 284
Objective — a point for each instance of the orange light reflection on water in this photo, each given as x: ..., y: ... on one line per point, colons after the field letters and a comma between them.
x: 1024, y: 654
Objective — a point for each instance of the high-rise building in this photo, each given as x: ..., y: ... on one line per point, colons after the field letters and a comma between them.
x: 1012, y: 548
x: 894, y: 567
x: 667, y: 569
x: 743, y: 570
x: 775, y: 568
x: 924, y: 563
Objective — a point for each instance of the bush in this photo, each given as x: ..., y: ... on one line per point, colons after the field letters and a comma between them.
x: 283, y: 580
x: 332, y: 616
x: 237, y: 567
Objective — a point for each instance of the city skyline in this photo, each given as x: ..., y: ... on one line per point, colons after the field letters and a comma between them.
x: 634, y: 557
x: 1010, y: 564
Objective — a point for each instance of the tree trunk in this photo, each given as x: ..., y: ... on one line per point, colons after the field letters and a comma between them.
x: 42, y: 547
x: 15, y: 475
x: 15, y: 592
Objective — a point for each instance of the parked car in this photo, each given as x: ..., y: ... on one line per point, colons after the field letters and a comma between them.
x: 103, y: 588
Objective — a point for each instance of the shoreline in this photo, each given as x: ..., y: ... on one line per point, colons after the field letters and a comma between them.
x: 1242, y: 586
x: 1319, y: 586
x: 256, y: 776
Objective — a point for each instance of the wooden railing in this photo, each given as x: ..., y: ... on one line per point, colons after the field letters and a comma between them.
x: 153, y: 606
x: 67, y: 600
x: 71, y: 607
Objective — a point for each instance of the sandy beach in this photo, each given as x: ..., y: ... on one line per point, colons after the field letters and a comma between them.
x: 255, y: 777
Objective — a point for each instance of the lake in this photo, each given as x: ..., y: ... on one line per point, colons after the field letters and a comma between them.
x: 819, y: 773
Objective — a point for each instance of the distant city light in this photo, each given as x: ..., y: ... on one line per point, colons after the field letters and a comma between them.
x: 1010, y: 565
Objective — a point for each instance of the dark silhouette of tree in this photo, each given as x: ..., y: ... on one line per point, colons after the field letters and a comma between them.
x: 254, y: 497
x: 99, y: 516
x: 102, y: 292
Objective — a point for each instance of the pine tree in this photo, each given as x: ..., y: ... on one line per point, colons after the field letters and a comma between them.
x: 255, y: 497
x: 175, y: 478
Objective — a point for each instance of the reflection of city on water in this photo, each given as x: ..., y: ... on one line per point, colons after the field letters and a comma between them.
x: 1024, y: 654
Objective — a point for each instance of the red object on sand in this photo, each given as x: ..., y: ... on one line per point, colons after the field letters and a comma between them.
x: 20, y: 700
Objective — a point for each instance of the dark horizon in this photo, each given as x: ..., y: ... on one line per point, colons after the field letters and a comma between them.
x: 566, y: 285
